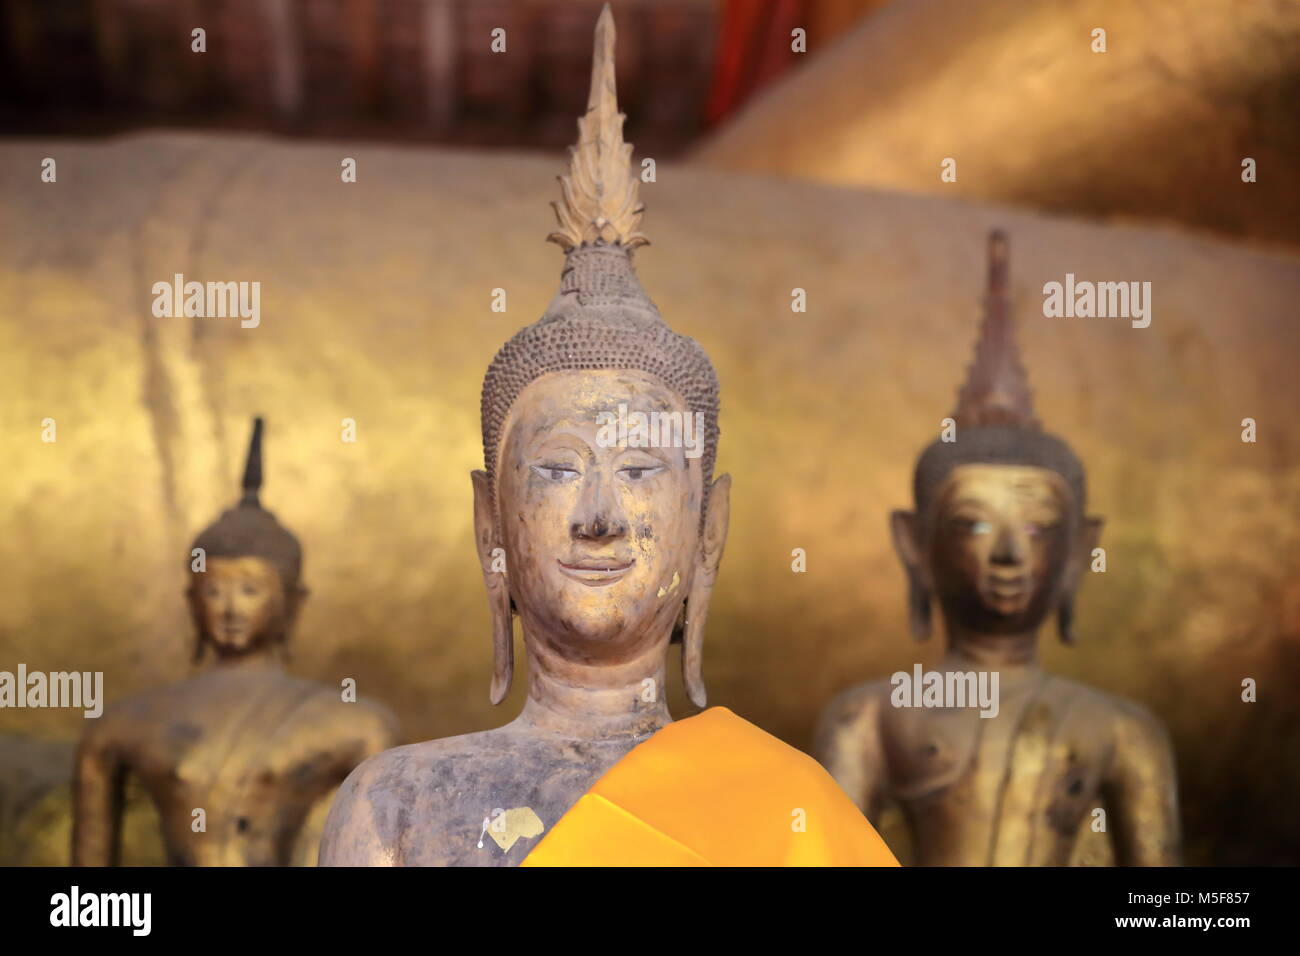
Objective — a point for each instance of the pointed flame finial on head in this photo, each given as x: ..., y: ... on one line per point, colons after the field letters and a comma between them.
x: 599, y: 202
x: 997, y: 389
x: 253, y: 467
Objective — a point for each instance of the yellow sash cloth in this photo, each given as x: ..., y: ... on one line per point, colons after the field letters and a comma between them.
x: 713, y: 790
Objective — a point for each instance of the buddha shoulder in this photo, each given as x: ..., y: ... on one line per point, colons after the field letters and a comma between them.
x: 854, y: 709
x: 1099, y: 704
x: 337, y: 709
x: 1129, y: 724
x: 142, y: 709
x: 417, y: 796
x: 1136, y: 729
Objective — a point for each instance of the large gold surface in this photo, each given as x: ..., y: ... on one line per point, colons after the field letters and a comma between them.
x: 1155, y: 127
x: 376, y: 306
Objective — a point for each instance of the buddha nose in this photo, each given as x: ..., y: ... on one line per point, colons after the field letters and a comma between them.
x: 1009, y: 549
x: 599, y: 516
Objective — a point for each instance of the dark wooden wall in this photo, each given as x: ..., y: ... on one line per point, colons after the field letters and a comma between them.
x: 388, y: 69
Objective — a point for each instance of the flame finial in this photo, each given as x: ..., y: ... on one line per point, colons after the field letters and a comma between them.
x: 252, y: 485
x: 997, y: 388
x: 599, y: 202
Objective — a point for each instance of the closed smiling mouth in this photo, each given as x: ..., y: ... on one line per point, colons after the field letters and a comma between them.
x: 1006, y: 589
x: 596, y: 572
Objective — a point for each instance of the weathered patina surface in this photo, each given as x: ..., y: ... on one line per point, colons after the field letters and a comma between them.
x: 606, y: 544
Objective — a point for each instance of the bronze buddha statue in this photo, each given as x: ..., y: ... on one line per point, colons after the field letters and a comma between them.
x: 999, y: 538
x: 606, y: 543
x: 235, y: 757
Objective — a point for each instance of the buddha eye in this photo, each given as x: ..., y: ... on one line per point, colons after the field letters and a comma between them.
x: 638, y: 472
x: 556, y: 473
x: 251, y: 590
x: 980, y: 527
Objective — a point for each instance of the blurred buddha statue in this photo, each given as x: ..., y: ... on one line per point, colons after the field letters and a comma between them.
x: 235, y: 757
x: 1000, y: 538
x: 599, y: 523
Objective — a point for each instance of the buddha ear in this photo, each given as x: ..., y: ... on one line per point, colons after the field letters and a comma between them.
x: 1088, y: 540
x: 905, y: 531
x: 294, y: 599
x: 491, y: 559
x: 1080, y: 556
x: 707, y: 558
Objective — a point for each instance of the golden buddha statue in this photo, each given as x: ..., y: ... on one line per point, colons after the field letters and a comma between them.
x: 235, y: 757
x: 605, y: 540
x: 1000, y: 538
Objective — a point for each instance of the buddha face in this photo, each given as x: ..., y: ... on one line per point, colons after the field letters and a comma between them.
x: 999, y: 541
x: 600, y: 538
x: 239, y: 603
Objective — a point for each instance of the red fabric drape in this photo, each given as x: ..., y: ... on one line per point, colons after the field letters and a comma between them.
x: 753, y: 48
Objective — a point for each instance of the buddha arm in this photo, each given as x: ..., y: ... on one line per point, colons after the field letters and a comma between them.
x: 1141, y: 789
x: 98, y: 795
x: 848, y: 746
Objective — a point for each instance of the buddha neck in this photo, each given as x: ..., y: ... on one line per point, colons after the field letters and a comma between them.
x: 595, y: 701
x: 982, y: 649
x: 265, y: 658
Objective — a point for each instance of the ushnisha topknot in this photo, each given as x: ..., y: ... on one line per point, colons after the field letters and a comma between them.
x: 995, y: 416
x: 249, y: 530
x: 601, y: 318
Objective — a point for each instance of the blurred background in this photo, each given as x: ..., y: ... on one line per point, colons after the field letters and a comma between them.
x: 397, y: 70
x: 777, y: 170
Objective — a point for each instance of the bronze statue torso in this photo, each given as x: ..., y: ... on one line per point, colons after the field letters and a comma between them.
x: 253, y: 748
x: 426, y: 804
x: 1009, y: 790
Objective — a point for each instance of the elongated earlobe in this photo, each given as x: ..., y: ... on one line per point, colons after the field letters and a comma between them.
x: 693, y: 654
x: 503, y: 642
x: 498, y: 589
x: 294, y: 601
x: 904, y: 531
x: 1090, y: 538
x: 918, y: 609
x: 1065, y: 619
x: 708, y: 557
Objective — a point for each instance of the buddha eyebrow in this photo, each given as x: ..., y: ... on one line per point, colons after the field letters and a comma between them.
x: 565, y: 441
x: 1034, y: 493
x: 652, y: 450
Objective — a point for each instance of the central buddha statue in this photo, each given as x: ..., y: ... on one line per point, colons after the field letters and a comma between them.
x: 999, y: 540
x: 606, y: 544
x: 235, y: 757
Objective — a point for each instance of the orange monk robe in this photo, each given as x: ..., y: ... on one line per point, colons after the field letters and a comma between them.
x: 713, y: 790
